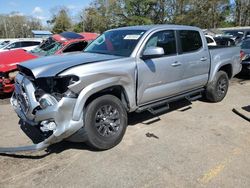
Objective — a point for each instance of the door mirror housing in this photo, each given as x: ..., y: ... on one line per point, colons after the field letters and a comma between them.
x: 153, y: 52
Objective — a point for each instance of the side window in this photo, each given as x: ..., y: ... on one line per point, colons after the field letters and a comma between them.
x: 14, y: 45
x: 209, y: 40
x: 163, y: 39
x: 27, y: 43
x: 35, y: 43
x: 79, y: 46
x: 190, y: 40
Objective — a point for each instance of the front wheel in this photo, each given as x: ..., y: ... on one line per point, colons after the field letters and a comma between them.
x: 105, y: 122
x: 217, y: 90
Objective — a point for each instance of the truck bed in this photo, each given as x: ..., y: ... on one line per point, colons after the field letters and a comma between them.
x: 225, y: 55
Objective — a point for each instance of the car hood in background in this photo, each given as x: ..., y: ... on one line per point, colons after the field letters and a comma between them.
x: 9, y: 59
x: 52, y: 65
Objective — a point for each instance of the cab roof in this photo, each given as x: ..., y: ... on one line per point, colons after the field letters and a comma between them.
x: 160, y: 26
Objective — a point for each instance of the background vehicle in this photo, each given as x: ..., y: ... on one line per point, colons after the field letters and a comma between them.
x: 237, y: 35
x: 210, y: 40
x: 3, y: 43
x: 245, y: 56
x: 60, y: 43
x: 25, y: 44
x: 86, y: 97
x: 219, y: 41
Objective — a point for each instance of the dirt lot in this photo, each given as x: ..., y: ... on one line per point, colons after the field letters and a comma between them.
x: 198, y: 145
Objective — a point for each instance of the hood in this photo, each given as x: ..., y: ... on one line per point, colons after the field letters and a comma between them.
x: 52, y: 65
x: 9, y: 59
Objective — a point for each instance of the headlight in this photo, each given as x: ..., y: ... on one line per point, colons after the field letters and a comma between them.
x: 56, y: 84
x: 13, y: 74
x: 47, y: 100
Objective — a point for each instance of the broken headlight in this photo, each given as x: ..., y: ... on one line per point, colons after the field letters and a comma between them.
x: 56, y: 86
x: 12, y: 74
x: 47, y: 100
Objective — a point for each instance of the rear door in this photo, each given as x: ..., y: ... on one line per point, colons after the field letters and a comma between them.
x: 195, y: 59
x: 159, y: 77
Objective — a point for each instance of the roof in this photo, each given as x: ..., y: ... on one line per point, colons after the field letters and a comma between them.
x: 67, y: 36
x: 160, y: 26
x: 89, y: 36
x: 41, y: 32
x: 71, y: 35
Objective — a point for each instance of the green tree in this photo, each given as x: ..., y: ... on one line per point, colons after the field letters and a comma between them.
x: 15, y: 25
x: 61, y: 21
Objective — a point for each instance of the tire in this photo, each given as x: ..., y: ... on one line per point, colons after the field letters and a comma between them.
x: 217, y: 90
x: 105, y: 122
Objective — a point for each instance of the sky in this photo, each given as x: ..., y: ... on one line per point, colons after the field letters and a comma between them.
x: 40, y: 9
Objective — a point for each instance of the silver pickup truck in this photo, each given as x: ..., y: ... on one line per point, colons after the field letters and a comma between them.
x: 87, y: 96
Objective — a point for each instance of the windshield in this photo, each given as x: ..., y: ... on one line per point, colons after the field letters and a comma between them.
x: 48, y: 47
x: 3, y: 44
x: 245, y: 44
x: 116, y: 42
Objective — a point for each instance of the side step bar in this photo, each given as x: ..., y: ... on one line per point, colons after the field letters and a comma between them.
x: 163, y: 105
x: 159, y: 109
x: 194, y: 97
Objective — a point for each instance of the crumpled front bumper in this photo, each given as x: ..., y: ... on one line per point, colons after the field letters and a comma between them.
x: 28, y: 109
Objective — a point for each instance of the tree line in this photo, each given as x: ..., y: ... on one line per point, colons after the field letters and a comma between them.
x: 18, y: 26
x: 101, y: 15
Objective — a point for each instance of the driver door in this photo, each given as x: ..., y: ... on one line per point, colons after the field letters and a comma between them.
x: 159, y: 77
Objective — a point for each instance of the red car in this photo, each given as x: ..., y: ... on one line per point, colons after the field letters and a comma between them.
x: 57, y: 44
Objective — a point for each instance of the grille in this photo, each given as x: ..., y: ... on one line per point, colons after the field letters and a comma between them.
x: 21, y: 98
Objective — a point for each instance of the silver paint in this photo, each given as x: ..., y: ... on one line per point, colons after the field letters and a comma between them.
x: 143, y: 81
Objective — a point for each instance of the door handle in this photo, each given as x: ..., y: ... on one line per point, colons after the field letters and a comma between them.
x: 204, y: 59
x: 176, y: 64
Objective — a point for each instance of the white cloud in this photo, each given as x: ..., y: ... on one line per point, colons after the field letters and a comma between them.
x: 15, y: 13
x: 40, y: 18
x: 37, y: 10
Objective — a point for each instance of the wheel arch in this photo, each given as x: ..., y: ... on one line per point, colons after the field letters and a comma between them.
x: 227, y: 69
x: 116, y: 90
x: 111, y: 86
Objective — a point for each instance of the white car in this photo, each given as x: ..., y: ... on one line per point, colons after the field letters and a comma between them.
x: 26, y: 44
x: 210, y: 40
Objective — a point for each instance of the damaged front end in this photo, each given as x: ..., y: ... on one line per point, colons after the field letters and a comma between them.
x: 45, y: 107
x: 7, y: 81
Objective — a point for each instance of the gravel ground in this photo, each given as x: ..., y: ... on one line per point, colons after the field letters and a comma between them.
x: 193, y: 145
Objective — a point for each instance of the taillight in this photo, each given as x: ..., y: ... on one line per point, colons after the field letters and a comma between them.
x: 242, y: 54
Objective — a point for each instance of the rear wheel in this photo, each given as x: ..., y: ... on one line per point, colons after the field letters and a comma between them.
x: 105, y: 122
x: 217, y: 90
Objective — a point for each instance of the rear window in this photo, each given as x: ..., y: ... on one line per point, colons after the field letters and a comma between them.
x: 190, y: 40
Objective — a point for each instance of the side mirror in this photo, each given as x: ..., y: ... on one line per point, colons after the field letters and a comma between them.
x: 153, y: 52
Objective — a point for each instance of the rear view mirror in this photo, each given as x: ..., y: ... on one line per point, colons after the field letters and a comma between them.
x: 153, y: 52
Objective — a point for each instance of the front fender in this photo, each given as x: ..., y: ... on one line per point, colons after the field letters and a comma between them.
x: 99, y: 86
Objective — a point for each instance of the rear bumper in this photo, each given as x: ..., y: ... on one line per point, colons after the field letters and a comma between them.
x: 6, y: 85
